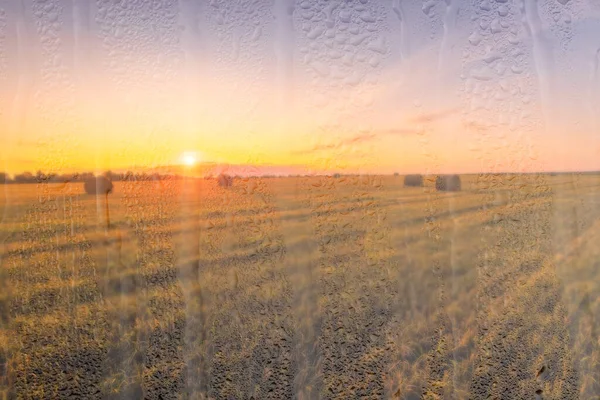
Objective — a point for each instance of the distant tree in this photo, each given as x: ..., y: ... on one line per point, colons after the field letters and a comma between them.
x: 4, y: 178
x: 25, y: 177
x: 85, y: 176
x: 60, y: 178
x: 128, y: 176
x: 40, y: 177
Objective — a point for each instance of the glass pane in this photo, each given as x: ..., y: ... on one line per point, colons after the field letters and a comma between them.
x: 299, y: 199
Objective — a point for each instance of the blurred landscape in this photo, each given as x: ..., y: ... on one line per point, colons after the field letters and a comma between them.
x: 302, y: 287
x: 299, y: 199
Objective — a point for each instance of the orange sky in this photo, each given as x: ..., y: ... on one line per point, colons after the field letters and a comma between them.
x: 102, y: 99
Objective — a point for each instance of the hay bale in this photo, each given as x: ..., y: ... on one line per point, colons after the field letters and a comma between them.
x: 98, y: 185
x: 337, y: 176
x: 413, y: 180
x: 225, y: 180
x: 448, y: 183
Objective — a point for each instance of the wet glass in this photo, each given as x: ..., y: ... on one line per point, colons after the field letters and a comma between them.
x: 299, y: 199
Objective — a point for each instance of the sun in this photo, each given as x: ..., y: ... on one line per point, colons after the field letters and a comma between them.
x: 189, y: 158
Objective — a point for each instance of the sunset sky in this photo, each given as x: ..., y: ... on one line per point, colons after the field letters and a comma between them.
x: 377, y: 86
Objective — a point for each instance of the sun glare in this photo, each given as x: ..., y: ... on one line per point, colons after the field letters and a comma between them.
x: 189, y: 158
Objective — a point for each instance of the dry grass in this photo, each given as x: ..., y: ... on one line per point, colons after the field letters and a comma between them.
x: 275, y: 288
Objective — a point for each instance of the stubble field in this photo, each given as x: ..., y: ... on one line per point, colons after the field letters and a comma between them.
x: 304, y: 287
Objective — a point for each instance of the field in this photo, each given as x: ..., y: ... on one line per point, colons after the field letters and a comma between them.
x: 306, y: 287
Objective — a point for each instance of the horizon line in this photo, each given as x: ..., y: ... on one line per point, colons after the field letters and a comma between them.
x: 315, y: 174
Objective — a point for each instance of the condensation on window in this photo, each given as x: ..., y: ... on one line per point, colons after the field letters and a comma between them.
x: 299, y: 199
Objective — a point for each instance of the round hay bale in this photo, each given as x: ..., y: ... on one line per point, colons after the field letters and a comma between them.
x: 225, y: 180
x: 98, y: 185
x: 413, y: 180
x: 448, y: 183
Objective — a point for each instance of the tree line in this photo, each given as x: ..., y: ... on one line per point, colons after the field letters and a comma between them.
x: 42, y: 177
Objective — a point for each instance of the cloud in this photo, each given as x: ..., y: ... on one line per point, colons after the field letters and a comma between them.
x: 434, y: 115
x: 363, y: 137
x: 315, y: 148
x: 401, y: 131
x: 476, y: 125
